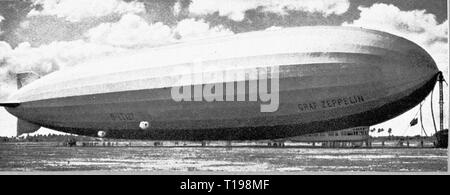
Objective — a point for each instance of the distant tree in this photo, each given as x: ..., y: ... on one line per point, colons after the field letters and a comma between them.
x: 389, y: 131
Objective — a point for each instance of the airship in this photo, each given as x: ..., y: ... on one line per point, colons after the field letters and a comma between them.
x: 322, y: 78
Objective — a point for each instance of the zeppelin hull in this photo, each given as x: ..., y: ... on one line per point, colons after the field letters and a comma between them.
x: 367, y: 118
x: 324, y: 85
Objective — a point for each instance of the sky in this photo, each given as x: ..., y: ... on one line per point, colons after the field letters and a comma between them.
x: 49, y: 35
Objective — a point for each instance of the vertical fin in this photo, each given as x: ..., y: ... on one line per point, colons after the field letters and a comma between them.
x: 24, y: 78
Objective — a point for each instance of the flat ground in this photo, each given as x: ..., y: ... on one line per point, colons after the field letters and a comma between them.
x: 29, y: 157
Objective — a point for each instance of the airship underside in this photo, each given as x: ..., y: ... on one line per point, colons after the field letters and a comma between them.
x: 328, y: 78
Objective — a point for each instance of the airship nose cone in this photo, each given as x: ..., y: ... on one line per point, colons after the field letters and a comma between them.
x: 421, y: 62
x: 405, y: 63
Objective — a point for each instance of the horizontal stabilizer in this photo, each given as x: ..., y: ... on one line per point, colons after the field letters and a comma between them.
x: 10, y: 104
x: 26, y: 127
x: 24, y: 78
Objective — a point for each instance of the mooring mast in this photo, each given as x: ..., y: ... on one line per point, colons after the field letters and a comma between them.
x: 441, y: 102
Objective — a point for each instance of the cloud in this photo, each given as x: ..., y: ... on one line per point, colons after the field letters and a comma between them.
x: 273, y: 28
x: 177, y: 8
x: 6, y: 85
x: 416, y: 25
x: 77, y: 10
x: 5, y: 48
x: 235, y: 9
x: 54, y: 56
x: 193, y: 29
x: 134, y: 32
x: 130, y: 31
x: 1, y: 19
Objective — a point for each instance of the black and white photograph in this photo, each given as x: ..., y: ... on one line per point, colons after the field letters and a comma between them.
x: 224, y: 87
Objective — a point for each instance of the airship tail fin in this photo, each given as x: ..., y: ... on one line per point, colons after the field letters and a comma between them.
x: 26, y: 127
x: 23, y: 78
